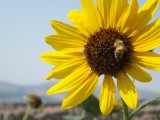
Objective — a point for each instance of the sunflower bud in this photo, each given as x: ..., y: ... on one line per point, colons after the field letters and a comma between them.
x: 34, y: 101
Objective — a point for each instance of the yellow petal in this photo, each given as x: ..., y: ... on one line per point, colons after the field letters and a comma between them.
x: 65, y: 29
x: 148, y: 32
x: 147, y: 59
x: 81, y: 92
x: 111, y: 11
x: 126, y: 20
x: 72, y: 81
x: 147, y: 45
x: 64, y: 69
x: 59, y: 57
x: 81, y: 21
x: 145, y: 14
x: 60, y: 42
x: 127, y: 90
x: 90, y: 10
x: 148, y: 38
x: 122, y: 6
x: 104, y: 8
x: 116, y: 9
x: 137, y: 73
x: 107, y: 95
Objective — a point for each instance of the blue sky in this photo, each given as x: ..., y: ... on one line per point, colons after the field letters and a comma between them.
x: 23, y: 25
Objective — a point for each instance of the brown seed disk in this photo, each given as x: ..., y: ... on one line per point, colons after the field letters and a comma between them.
x: 100, y: 51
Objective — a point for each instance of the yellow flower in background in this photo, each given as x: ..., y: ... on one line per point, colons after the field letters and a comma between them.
x: 110, y: 38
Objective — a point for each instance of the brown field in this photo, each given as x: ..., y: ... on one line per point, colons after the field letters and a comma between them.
x: 55, y: 112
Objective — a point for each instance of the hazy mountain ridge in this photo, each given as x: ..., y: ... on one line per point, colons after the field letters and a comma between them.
x: 11, y: 93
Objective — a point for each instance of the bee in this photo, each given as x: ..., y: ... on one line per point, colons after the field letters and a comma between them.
x: 119, y: 50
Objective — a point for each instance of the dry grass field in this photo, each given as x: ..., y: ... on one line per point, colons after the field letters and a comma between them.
x: 55, y: 112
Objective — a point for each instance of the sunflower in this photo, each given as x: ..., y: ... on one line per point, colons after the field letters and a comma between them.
x: 112, y: 38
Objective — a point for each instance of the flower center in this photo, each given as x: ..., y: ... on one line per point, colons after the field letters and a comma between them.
x: 108, y: 51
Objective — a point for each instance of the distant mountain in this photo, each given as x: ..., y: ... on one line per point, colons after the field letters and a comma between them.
x: 11, y: 93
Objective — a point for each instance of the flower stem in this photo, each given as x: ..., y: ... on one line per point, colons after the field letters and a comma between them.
x: 27, y: 113
x: 125, y: 111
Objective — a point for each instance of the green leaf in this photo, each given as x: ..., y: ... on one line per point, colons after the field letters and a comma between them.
x: 72, y: 117
x: 91, y: 105
x: 143, y: 104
